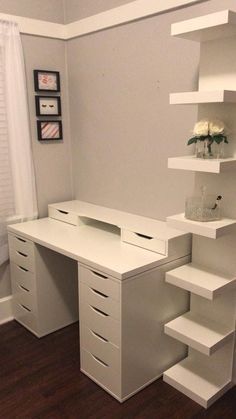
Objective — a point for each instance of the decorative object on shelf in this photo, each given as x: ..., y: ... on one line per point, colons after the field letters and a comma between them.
x: 49, y: 130
x: 203, y: 208
x: 46, y: 81
x: 48, y: 105
x: 209, y: 138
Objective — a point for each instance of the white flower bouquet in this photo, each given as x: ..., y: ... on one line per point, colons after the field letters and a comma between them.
x: 206, y: 133
x: 212, y: 131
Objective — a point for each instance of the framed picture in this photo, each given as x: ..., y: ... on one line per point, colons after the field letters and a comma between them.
x: 48, y: 105
x: 46, y: 81
x: 49, y: 130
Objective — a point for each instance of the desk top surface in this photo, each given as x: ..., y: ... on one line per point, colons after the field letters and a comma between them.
x: 96, y: 245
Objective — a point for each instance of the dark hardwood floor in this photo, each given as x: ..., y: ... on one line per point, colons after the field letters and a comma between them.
x: 40, y: 379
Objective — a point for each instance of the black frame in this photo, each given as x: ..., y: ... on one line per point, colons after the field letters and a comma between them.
x: 36, y: 80
x: 37, y: 105
x: 39, y: 129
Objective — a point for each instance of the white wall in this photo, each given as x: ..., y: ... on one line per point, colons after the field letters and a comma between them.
x: 123, y: 126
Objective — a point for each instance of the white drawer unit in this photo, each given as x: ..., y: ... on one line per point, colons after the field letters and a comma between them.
x: 100, y: 282
x: 24, y: 316
x: 100, y: 372
x: 23, y: 277
x: 100, y: 347
x: 123, y: 346
x: 21, y: 244
x: 23, y: 296
x: 101, y: 301
x: 63, y: 215
x: 42, y: 300
x: 143, y: 240
x: 21, y: 252
x: 99, y: 321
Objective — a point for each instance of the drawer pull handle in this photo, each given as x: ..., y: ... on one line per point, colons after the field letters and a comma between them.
x: 22, y: 254
x: 23, y: 288
x: 99, y: 336
x: 99, y: 360
x: 23, y: 269
x: 25, y: 308
x: 100, y: 275
x: 144, y: 236
x: 100, y: 311
x: 99, y: 293
x: 20, y: 239
x: 63, y: 212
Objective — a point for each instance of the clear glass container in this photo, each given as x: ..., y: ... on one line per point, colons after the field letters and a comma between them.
x: 206, y: 150
x: 218, y: 150
x: 199, y: 149
x: 202, y: 208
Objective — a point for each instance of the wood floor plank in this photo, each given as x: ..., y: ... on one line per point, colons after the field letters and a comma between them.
x: 40, y: 379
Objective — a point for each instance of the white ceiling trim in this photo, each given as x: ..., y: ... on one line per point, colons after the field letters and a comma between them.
x: 129, y: 12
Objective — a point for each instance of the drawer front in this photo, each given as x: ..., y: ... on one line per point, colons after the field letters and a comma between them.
x: 24, y: 316
x: 23, y: 296
x: 23, y: 277
x: 101, y: 373
x: 100, y: 282
x: 146, y: 242
x: 100, y: 300
x: 100, y: 347
x: 22, y: 259
x: 102, y: 324
x: 61, y: 215
x: 22, y: 245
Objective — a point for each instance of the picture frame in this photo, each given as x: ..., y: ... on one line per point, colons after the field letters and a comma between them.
x: 46, y: 81
x: 49, y: 130
x: 48, y: 105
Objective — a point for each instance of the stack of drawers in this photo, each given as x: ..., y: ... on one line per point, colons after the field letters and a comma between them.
x: 23, y: 280
x: 100, y: 329
x: 41, y: 280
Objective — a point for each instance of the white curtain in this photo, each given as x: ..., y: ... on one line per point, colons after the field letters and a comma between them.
x: 17, y: 180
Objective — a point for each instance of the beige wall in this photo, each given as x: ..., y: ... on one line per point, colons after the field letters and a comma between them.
x: 52, y: 160
x: 123, y: 126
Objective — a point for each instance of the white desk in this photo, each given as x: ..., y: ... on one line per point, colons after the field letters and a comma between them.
x: 124, y: 301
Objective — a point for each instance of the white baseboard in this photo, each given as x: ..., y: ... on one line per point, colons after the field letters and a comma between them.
x: 6, y: 313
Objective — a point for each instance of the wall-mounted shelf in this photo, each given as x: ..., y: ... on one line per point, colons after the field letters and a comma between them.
x: 211, y: 229
x: 202, y: 165
x: 209, y: 327
x: 200, y: 280
x: 203, y: 96
x: 206, y: 28
x: 203, y: 385
x: 202, y: 334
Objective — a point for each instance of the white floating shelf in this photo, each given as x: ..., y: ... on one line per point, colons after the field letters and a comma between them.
x: 203, y: 96
x: 202, y: 385
x: 211, y: 229
x: 206, y: 28
x: 202, y: 334
x: 202, y: 165
x: 201, y: 281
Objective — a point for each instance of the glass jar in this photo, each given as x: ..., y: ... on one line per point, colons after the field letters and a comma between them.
x: 218, y: 150
x: 202, y: 208
x: 208, y: 153
x: 199, y: 149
